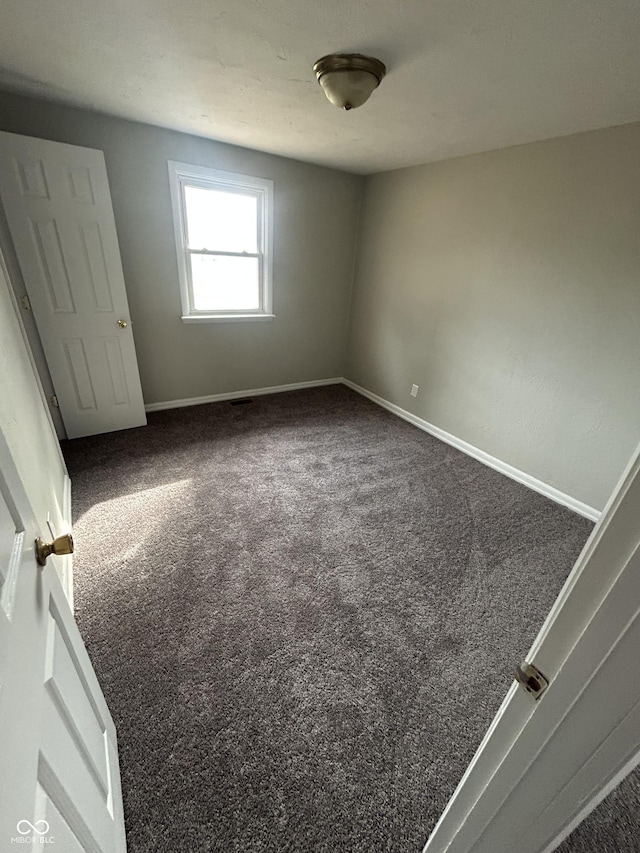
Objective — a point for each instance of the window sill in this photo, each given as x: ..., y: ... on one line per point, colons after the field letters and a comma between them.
x: 225, y: 318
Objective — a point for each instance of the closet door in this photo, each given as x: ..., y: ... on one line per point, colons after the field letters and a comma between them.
x: 58, y: 206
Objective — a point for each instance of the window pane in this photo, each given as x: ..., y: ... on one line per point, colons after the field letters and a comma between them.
x: 221, y: 221
x: 222, y: 283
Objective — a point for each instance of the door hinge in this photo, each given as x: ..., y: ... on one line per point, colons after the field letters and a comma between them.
x: 530, y: 677
x: 54, y: 401
x: 25, y: 302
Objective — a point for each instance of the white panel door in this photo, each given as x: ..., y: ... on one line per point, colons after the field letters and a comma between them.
x: 60, y: 782
x: 58, y: 206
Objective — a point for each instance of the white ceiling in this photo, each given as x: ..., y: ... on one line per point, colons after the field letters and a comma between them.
x: 463, y: 75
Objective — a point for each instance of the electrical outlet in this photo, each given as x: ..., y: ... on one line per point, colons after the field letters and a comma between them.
x: 414, y: 390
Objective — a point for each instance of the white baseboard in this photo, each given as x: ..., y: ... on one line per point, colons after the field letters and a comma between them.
x: 234, y: 395
x: 497, y: 464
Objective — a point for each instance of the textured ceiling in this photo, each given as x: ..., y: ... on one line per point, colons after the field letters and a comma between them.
x: 463, y: 75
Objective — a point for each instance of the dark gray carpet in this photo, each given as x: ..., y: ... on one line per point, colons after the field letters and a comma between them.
x: 304, y: 613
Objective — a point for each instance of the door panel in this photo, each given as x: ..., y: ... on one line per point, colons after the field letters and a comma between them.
x: 96, y: 267
x: 115, y: 364
x: 71, y: 700
x: 59, y: 829
x: 48, y: 253
x: 11, y: 540
x: 58, y: 207
x: 78, y: 366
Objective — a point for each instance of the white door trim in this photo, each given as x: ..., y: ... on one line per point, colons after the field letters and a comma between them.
x: 36, y: 375
x: 66, y: 565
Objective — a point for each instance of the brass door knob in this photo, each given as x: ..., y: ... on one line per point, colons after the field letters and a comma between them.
x: 122, y: 324
x: 60, y: 545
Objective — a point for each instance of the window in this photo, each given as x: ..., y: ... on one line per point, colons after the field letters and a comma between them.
x: 223, y: 228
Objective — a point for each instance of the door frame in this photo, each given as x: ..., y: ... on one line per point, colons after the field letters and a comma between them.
x: 500, y: 764
x: 11, y: 267
x: 66, y: 570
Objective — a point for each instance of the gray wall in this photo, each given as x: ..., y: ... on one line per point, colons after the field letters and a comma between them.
x: 507, y: 286
x: 315, y: 225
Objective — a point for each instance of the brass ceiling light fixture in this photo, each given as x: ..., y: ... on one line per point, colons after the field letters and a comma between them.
x: 348, y: 79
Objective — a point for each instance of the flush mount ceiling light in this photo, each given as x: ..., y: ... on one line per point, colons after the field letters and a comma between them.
x: 348, y: 79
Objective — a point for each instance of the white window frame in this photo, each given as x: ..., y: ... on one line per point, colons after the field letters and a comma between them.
x: 184, y: 174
